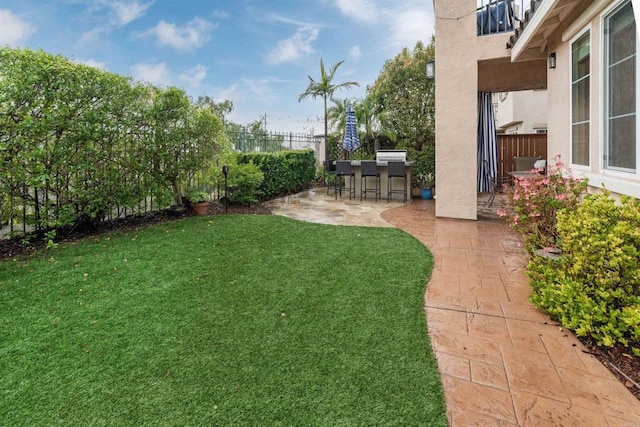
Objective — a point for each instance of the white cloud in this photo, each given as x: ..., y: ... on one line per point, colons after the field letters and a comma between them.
x: 93, y: 63
x: 294, y: 47
x: 14, y: 30
x: 127, y: 12
x: 191, y: 36
x: 157, y: 74
x: 194, y: 75
x: 232, y: 93
x: 359, y: 10
x: 355, y: 52
x: 405, y: 21
x: 409, y: 26
x: 220, y: 14
x: 91, y: 38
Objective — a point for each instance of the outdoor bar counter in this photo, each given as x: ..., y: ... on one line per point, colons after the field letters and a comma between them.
x: 382, y: 168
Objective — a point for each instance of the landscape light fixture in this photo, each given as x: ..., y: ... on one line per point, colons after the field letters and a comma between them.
x: 552, y: 60
x: 225, y: 171
x: 431, y: 69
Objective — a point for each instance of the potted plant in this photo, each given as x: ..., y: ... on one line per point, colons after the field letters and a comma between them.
x: 199, y: 201
x: 426, y: 181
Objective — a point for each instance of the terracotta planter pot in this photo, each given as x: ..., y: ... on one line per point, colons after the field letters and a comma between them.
x: 201, y: 208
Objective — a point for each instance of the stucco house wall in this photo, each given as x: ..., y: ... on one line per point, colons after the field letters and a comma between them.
x: 456, y: 131
x: 467, y: 63
x: 521, y: 111
x: 559, y: 102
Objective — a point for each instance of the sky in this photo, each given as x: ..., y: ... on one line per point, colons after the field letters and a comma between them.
x: 256, y: 53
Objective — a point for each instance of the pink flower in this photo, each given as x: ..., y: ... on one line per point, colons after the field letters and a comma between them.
x: 561, y: 196
x: 502, y: 213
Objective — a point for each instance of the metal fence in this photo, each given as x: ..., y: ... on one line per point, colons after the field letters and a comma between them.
x: 499, y: 16
x: 268, y: 142
x: 30, y: 213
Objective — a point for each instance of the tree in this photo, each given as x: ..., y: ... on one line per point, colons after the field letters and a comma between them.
x: 404, y: 97
x: 325, y: 88
x: 337, y: 115
x: 186, y: 137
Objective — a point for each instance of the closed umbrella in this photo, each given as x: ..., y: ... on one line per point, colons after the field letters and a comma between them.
x: 487, y: 142
x: 351, y: 141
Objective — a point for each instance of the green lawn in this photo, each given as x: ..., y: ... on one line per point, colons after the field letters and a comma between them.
x: 226, y: 321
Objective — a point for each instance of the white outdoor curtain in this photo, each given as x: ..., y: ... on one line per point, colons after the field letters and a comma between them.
x: 487, y: 142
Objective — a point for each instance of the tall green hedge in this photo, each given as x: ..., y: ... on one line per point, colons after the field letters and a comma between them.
x: 76, y: 141
x: 284, y: 172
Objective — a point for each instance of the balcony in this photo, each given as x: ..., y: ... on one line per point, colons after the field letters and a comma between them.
x: 500, y: 16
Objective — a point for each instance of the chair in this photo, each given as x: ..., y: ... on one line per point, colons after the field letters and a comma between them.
x: 396, y: 170
x: 369, y: 169
x: 330, y: 168
x: 541, y: 167
x: 343, y: 170
x: 492, y: 185
x: 524, y: 164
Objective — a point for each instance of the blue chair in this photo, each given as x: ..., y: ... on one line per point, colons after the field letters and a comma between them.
x: 369, y: 169
x: 396, y: 170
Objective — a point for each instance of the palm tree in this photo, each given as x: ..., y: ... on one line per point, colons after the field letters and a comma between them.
x: 337, y: 115
x: 325, y: 88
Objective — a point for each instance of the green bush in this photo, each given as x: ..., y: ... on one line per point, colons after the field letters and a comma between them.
x: 594, y: 289
x: 244, y: 184
x: 284, y: 172
x: 425, y: 162
x: 243, y: 180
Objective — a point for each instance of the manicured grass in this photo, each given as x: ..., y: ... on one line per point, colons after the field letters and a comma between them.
x: 227, y: 321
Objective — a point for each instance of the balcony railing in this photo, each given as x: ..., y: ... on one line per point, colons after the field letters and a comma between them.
x: 500, y: 16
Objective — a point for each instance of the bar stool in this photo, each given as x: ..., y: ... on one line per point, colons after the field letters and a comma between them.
x: 396, y: 170
x: 330, y: 168
x: 343, y: 170
x: 369, y: 169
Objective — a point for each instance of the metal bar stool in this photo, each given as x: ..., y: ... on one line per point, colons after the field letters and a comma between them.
x: 396, y: 170
x: 369, y: 169
x: 343, y: 170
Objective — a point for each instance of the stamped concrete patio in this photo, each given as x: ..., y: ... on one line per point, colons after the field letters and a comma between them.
x: 503, y: 362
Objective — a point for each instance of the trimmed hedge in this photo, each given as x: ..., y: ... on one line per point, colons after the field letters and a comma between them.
x: 285, y: 172
x: 594, y: 289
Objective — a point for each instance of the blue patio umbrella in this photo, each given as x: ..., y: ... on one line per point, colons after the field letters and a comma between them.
x: 351, y: 141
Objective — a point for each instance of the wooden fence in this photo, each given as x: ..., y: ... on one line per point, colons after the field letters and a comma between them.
x: 518, y: 145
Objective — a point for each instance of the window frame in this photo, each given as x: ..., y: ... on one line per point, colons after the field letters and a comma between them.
x: 605, y: 169
x: 574, y: 39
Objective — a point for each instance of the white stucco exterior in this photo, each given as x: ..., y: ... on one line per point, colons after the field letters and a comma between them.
x: 467, y: 63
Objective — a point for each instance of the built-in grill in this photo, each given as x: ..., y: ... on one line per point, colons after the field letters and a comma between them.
x: 391, y: 156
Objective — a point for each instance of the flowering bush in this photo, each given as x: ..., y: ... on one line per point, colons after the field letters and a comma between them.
x: 533, y: 202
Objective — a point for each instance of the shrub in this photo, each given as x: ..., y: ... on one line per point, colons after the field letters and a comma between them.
x: 425, y: 161
x: 534, y: 202
x: 594, y: 289
x: 284, y: 172
x: 243, y: 180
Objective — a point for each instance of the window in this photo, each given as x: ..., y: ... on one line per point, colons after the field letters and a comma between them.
x: 621, y: 90
x: 580, y: 87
